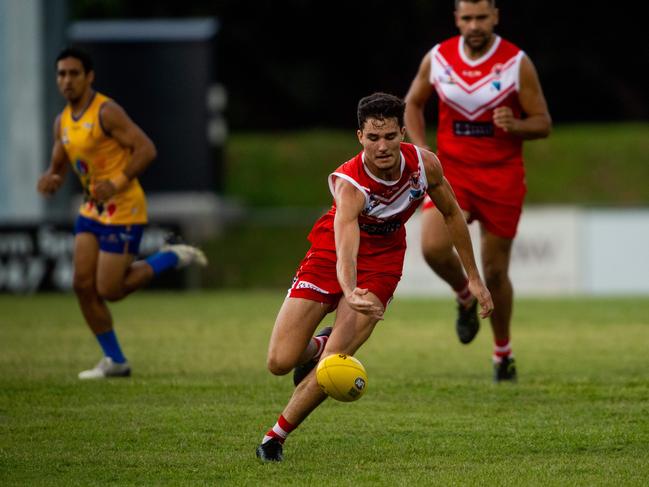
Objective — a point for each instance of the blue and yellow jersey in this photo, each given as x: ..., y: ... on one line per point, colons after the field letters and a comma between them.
x: 95, y: 156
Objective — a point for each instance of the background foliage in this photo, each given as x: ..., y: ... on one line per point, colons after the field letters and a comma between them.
x: 305, y: 63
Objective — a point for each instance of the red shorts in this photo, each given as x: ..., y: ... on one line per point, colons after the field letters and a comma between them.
x: 316, y: 280
x: 500, y: 220
x: 496, y: 200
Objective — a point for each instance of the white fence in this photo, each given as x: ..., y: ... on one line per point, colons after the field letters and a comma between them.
x: 558, y: 251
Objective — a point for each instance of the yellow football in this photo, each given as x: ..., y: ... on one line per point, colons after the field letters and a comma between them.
x: 342, y: 377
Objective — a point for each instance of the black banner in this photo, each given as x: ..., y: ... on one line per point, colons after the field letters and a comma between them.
x: 39, y: 257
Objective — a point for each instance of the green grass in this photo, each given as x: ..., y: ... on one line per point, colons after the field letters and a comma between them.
x: 200, y: 398
x: 587, y: 164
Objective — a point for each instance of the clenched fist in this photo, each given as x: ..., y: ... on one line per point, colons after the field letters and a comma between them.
x: 49, y: 184
x: 504, y: 118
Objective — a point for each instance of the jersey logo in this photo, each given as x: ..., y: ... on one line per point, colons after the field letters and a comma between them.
x: 473, y: 98
x: 374, y: 202
x: 496, y: 72
x: 472, y: 73
x: 465, y: 128
x: 447, y: 78
x: 416, y: 187
x: 82, y: 166
x: 382, y: 228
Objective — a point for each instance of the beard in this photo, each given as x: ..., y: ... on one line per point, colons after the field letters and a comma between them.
x: 478, y: 41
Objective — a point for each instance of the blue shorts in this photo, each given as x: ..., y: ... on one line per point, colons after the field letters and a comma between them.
x: 116, y: 239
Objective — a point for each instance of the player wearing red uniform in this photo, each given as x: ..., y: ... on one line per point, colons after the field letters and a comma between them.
x: 490, y: 100
x: 356, y: 257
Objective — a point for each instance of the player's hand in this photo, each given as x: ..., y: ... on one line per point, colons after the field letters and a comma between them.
x: 104, y: 190
x: 49, y: 184
x: 358, y: 301
x: 503, y: 118
x: 482, y: 294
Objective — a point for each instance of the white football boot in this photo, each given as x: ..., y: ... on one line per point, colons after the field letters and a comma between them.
x: 106, y: 368
x: 186, y: 254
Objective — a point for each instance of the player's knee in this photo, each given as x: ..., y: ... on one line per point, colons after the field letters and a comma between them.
x: 278, y: 365
x: 437, y: 254
x: 83, y: 285
x: 437, y: 249
x: 495, y: 276
x: 110, y: 293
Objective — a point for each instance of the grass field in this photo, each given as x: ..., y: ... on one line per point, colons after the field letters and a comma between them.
x: 200, y: 398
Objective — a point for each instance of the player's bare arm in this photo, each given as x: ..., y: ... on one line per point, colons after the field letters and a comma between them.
x: 537, y: 122
x: 349, y: 204
x: 416, y: 99
x: 120, y: 127
x: 50, y: 182
x: 442, y: 195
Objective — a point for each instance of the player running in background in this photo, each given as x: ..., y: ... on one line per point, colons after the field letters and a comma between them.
x: 356, y: 256
x: 490, y: 100
x: 107, y: 151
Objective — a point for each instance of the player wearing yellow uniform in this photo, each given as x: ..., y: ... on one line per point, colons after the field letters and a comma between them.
x: 108, y: 151
x: 96, y: 156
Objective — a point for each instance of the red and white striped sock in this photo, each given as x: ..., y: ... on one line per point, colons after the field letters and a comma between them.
x: 502, y: 349
x: 320, y: 343
x: 280, y: 431
x: 463, y: 295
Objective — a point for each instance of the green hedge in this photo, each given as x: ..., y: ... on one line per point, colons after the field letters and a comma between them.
x: 606, y: 164
x: 603, y: 165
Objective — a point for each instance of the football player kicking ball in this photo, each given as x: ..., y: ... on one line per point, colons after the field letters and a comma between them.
x: 356, y: 257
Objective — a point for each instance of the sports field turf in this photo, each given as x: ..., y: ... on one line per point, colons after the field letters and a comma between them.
x: 201, y: 399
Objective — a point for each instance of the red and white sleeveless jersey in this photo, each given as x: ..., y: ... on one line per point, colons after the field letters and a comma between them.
x: 388, y: 206
x: 468, y: 92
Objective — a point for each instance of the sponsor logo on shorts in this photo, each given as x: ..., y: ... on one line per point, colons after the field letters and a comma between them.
x: 110, y: 238
x: 309, y: 285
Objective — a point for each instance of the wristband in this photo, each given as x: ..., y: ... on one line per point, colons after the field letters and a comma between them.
x: 120, y: 181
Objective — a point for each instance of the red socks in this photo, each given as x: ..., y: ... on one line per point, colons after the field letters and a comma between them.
x: 502, y: 349
x: 280, y: 431
x: 320, y: 343
x: 463, y: 295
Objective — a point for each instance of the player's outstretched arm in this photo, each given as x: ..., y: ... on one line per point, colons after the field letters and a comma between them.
x: 418, y: 94
x: 442, y: 195
x: 52, y: 179
x: 120, y: 127
x: 349, y: 204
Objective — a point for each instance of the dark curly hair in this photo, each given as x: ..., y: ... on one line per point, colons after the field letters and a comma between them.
x: 380, y: 106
